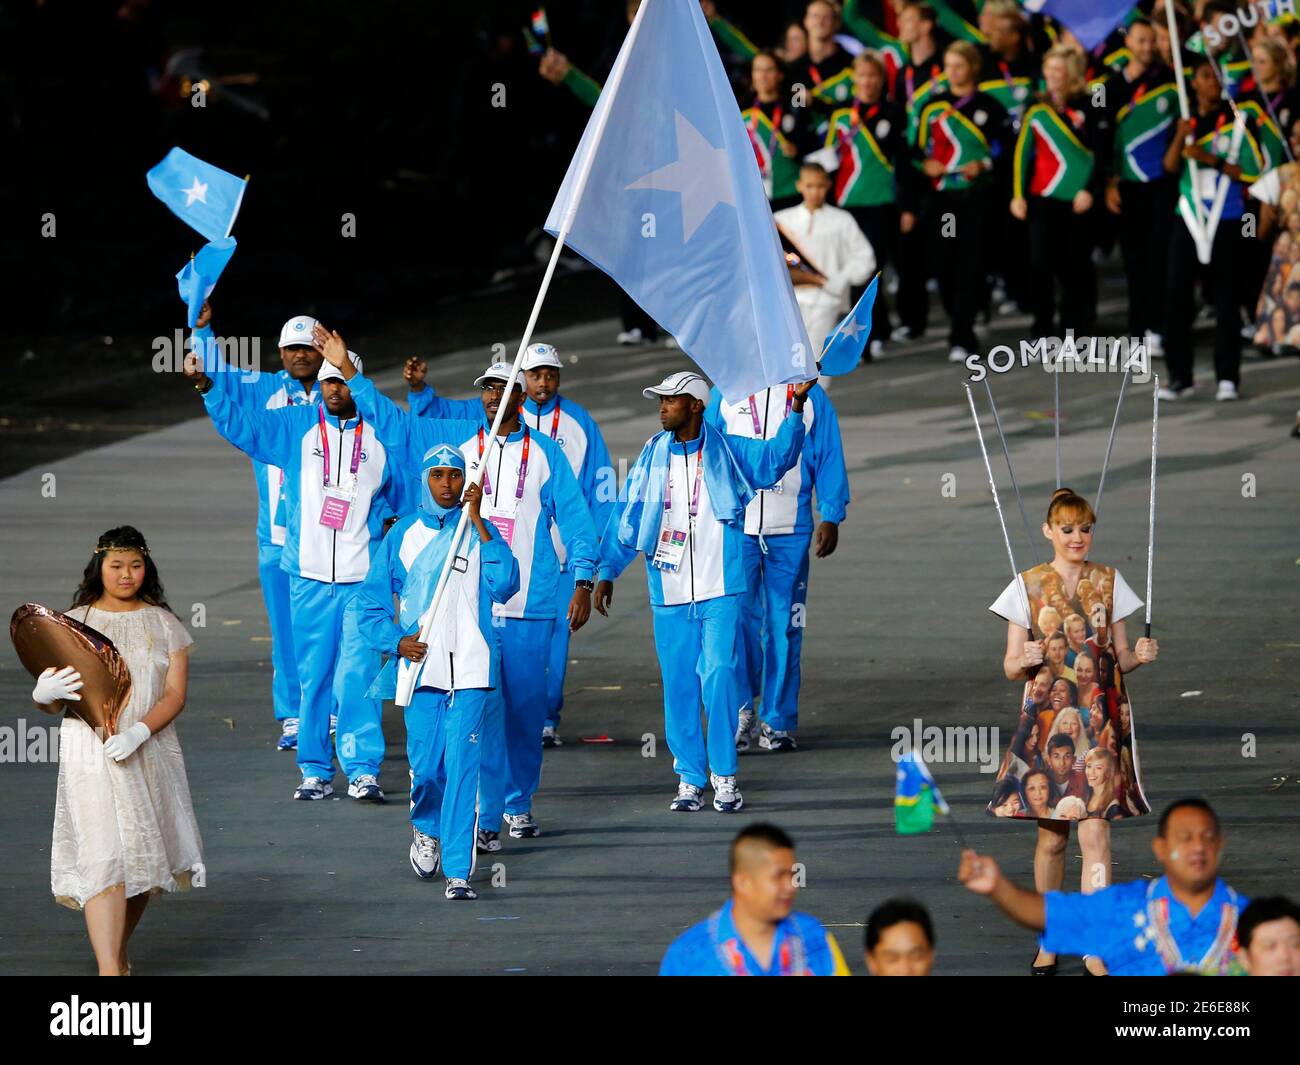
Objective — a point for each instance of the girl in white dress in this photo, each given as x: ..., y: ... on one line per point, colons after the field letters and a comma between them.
x: 124, y: 824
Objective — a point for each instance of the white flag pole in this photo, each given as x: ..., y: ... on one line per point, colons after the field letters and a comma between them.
x: 408, y: 672
x: 239, y: 202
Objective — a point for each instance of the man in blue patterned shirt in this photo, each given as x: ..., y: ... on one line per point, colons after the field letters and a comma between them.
x: 1186, y: 921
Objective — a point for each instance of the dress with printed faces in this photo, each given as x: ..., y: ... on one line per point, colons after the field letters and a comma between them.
x: 1077, y: 693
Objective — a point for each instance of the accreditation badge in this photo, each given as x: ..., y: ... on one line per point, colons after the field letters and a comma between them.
x: 505, y: 525
x: 336, y: 511
x: 670, y: 549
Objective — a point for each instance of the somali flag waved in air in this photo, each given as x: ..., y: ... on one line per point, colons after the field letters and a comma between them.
x: 665, y: 196
x: 201, y: 195
x: 198, y: 277
x: 844, y: 347
x: 916, y: 796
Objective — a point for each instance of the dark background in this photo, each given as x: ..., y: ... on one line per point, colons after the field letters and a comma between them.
x: 379, y: 109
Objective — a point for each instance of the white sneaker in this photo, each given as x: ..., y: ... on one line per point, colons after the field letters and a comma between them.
x: 1168, y: 394
x: 458, y: 890
x: 631, y: 336
x: 726, y: 795
x: 877, y: 348
x: 313, y: 788
x: 688, y: 798
x: 551, y: 738
x: 426, y: 855
x: 772, y: 739
x: 1227, y: 391
x: 1155, y: 344
x: 958, y: 354
x: 671, y: 344
x: 747, y: 727
x: 902, y: 333
x: 523, y: 826
x: 366, y: 788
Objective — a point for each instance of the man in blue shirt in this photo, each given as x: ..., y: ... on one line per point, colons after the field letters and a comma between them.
x: 757, y: 932
x: 1186, y: 921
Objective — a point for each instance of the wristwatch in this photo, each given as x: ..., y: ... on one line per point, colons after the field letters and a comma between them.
x: 588, y: 585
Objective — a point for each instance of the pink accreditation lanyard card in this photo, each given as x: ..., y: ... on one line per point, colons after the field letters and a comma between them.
x: 672, y: 537
x: 758, y: 425
x: 336, y: 511
x: 503, y: 511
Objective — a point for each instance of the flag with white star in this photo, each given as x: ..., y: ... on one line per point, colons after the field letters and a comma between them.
x: 843, y: 348
x: 673, y: 206
x: 201, y: 195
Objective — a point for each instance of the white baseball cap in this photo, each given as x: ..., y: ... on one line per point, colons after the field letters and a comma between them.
x: 296, y: 332
x: 329, y: 371
x: 682, y: 383
x: 541, y: 355
x: 498, y: 371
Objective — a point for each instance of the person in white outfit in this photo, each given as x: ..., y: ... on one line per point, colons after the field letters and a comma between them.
x: 832, y: 244
x: 124, y: 825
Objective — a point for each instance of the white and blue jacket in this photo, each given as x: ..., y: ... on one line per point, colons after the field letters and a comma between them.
x: 262, y: 391
x: 291, y: 439
x: 464, y: 646
x: 573, y: 430
x: 730, y: 467
x: 551, y: 496
x: 786, y: 507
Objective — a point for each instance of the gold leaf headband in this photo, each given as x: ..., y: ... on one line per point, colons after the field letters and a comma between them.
x: 121, y: 547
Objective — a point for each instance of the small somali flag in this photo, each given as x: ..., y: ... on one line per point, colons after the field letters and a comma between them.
x: 843, y: 348
x: 201, y: 195
x: 198, y: 277
x: 540, y: 26
x: 916, y: 797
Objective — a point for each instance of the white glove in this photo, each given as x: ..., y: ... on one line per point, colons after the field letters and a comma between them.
x: 124, y: 744
x: 55, y: 685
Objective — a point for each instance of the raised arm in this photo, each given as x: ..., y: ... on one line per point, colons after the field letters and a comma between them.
x: 764, y: 462
x: 266, y: 435
x: 981, y: 875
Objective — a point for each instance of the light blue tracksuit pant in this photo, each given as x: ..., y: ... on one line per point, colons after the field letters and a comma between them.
x: 699, y: 648
x: 443, y: 745
x: 513, y: 721
x: 284, y: 666
x: 776, y: 597
x: 335, y: 668
x: 559, y: 661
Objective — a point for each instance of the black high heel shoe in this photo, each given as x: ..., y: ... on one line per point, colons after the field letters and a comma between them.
x: 1041, y: 970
